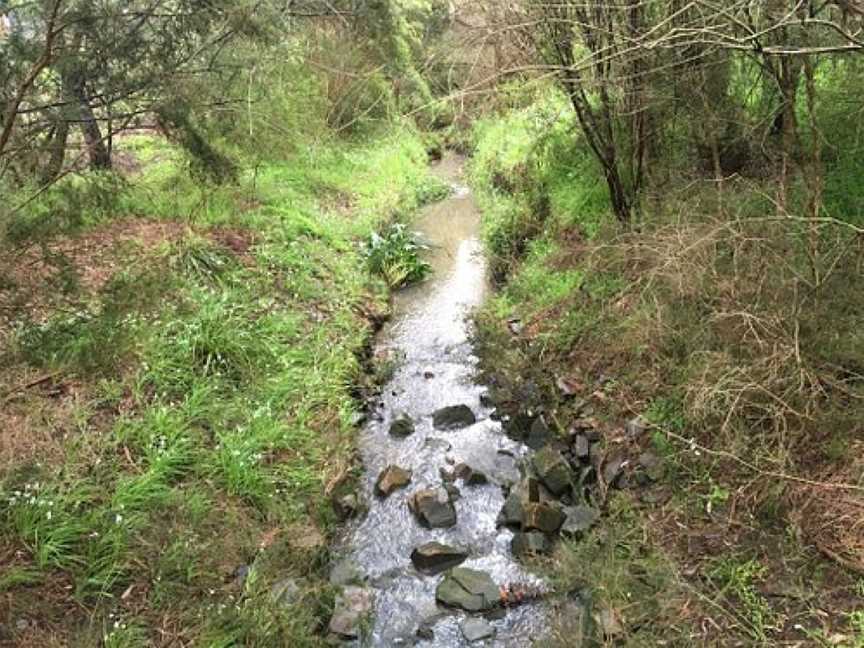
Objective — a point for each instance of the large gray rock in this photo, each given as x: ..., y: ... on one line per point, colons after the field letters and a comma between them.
x: 512, y: 512
x: 468, y: 589
x: 352, y: 608
x: 476, y: 629
x: 402, y: 427
x: 553, y: 470
x: 433, y: 508
x: 578, y: 520
x: 434, y: 557
x: 542, y: 517
x: 453, y: 417
x: 391, y: 479
x: 530, y: 543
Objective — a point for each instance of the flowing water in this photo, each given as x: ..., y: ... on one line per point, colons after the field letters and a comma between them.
x: 429, y: 334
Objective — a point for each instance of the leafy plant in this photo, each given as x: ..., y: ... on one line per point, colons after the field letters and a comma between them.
x: 395, y: 255
x: 738, y: 578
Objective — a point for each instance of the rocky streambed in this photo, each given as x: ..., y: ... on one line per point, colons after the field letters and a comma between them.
x: 456, y: 494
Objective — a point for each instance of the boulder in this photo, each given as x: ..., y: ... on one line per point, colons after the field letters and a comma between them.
x: 530, y: 543
x: 402, y: 427
x: 434, y: 557
x: 553, y: 470
x: 352, y: 608
x: 391, y: 479
x: 512, y: 512
x: 578, y: 520
x: 453, y: 417
x: 542, y: 517
x: 476, y: 629
x: 433, y: 508
x: 468, y: 589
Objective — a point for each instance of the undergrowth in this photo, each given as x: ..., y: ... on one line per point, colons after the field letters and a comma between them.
x: 732, y: 334
x: 198, y: 412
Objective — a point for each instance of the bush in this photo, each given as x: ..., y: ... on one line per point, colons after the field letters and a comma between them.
x: 395, y: 255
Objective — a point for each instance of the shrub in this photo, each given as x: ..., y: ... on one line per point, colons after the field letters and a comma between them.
x: 395, y: 255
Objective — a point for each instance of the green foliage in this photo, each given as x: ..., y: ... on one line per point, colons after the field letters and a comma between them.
x: 395, y: 255
x: 532, y: 172
x: 228, y: 398
x: 738, y: 578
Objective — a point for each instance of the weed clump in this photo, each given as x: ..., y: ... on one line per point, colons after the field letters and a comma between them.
x: 395, y: 254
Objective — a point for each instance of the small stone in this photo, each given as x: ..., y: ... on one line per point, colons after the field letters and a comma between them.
x: 402, y: 427
x: 569, y: 386
x: 607, y: 620
x: 512, y: 512
x: 653, y: 466
x: 453, y: 493
x: 428, y: 374
x: 578, y: 520
x: 476, y: 629
x: 542, y: 517
x: 453, y: 417
x: 635, y: 427
x: 240, y: 575
x: 433, y: 508
x: 613, y: 471
x: 434, y: 557
x: 286, y: 591
x: 346, y: 572
x: 581, y: 448
x: 425, y: 631
x: 447, y: 476
x: 468, y: 589
x: 435, y: 443
x: 530, y: 543
x: 471, y: 476
x: 391, y: 479
x: 352, y: 607
x: 553, y: 470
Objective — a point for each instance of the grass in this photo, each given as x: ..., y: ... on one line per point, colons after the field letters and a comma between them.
x: 697, y: 322
x: 212, y: 378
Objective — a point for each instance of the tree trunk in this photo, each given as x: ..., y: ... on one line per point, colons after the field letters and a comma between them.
x: 57, y: 152
x: 100, y: 157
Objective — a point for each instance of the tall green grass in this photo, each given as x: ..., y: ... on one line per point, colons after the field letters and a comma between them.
x: 224, y: 384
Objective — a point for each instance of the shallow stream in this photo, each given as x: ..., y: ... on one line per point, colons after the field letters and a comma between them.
x: 429, y: 336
